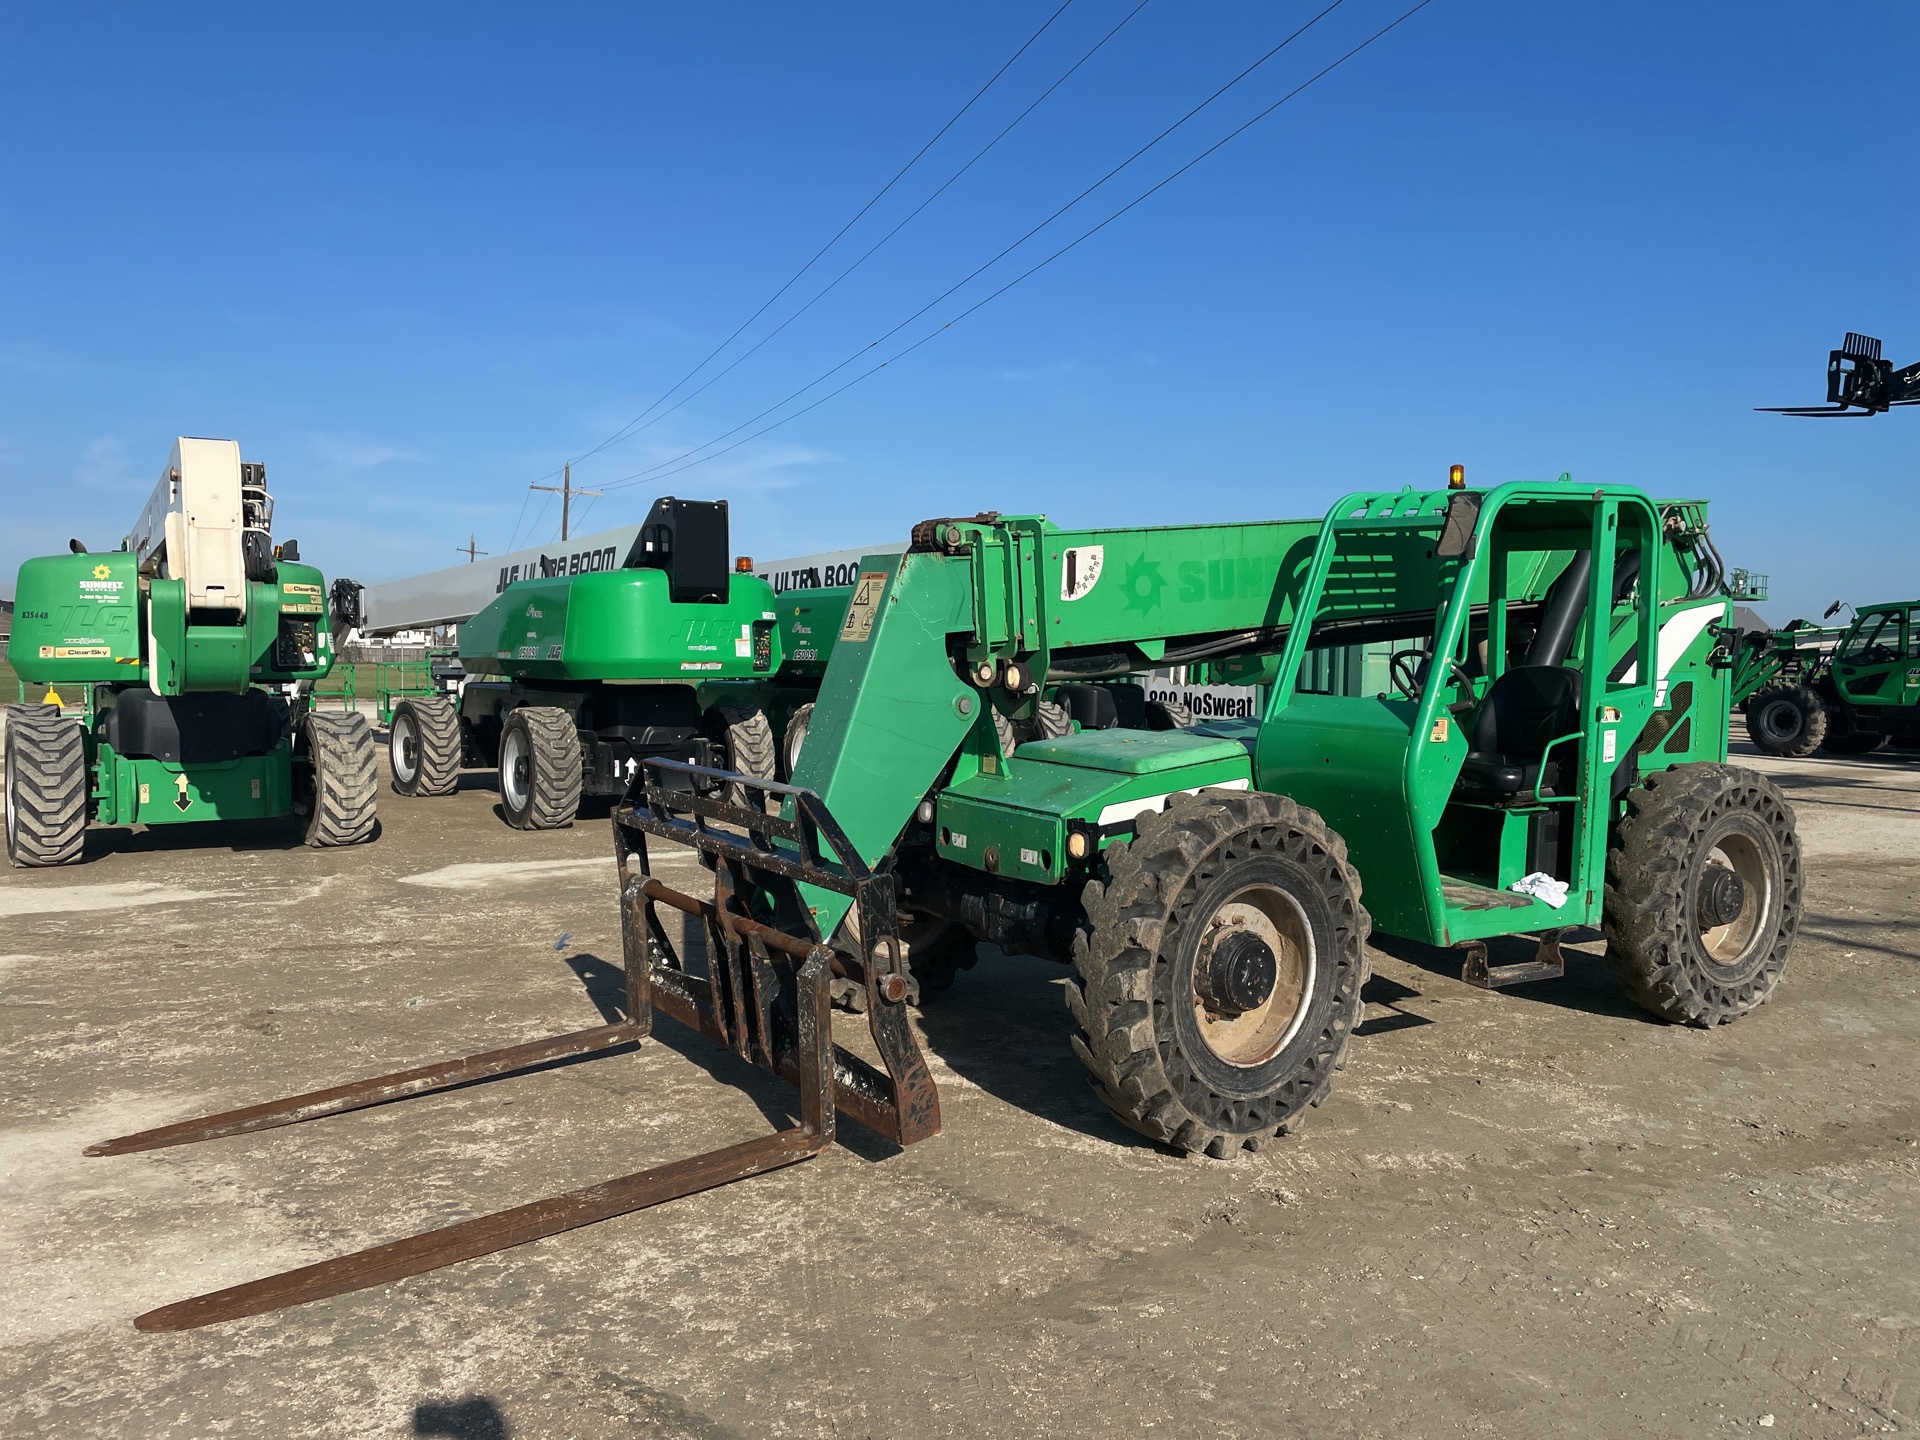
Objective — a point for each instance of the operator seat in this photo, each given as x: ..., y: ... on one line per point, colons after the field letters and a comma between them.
x: 1524, y: 710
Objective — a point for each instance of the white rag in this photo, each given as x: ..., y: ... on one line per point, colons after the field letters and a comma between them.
x: 1541, y: 886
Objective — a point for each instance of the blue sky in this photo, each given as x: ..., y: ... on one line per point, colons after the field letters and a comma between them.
x: 414, y: 257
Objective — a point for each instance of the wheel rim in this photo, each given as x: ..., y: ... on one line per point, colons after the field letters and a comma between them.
x: 1781, y: 720
x: 515, y: 764
x: 1257, y: 916
x: 1733, y: 941
x: 405, y: 749
x: 796, y: 737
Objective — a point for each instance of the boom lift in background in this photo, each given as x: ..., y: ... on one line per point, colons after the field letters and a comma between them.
x: 173, y: 638
x: 639, y: 644
x: 1550, y: 754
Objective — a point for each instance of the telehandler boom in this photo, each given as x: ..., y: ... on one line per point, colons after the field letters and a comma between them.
x: 1549, y: 754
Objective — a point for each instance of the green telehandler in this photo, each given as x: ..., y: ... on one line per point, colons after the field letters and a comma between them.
x: 1548, y: 754
x: 1843, y: 691
x: 178, y: 642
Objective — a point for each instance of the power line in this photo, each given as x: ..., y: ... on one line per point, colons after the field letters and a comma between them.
x: 858, y: 214
x: 989, y: 264
x: 1088, y: 234
x: 945, y: 185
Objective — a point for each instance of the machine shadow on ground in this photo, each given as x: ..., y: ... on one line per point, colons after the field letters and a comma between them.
x: 234, y: 836
x: 1005, y: 1028
x: 1588, y: 987
x: 472, y: 1417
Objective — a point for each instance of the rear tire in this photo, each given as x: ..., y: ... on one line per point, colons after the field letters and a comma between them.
x: 345, y: 779
x: 1787, y: 720
x: 1242, y: 1065
x: 46, y: 788
x: 1670, y: 940
x: 937, y: 951
x: 539, y: 768
x: 423, y: 746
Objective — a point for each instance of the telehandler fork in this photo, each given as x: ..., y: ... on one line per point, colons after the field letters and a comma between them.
x: 766, y: 997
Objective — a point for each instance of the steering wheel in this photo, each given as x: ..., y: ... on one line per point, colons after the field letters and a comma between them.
x: 1878, y: 654
x: 1404, y: 668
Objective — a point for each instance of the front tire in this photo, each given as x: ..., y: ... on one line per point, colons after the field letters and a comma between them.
x: 345, y: 779
x: 45, y: 788
x: 539, y: 768
x: 1787, y: 720
x: 1703, y: 893
x: 1219, y: 974
x: 423, y: 746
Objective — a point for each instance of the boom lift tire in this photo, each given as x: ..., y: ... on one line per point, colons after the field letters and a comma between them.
x: 796, y: 736
x: 1218, y: 978
x: 1004, y: 732
x: 1786, y: 719
x: 1703, y: 893
x: 746, y: 738
x: 345, y: 779
x: 1854, y: 742
x: 1051, y: 721
x: 539, y: 768
x: 46, y: 787
x: 1169, y: 715
x: 423, y: 746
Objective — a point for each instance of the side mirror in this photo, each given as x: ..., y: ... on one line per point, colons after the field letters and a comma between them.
x: 1832, y: 610
x: 287, y: 550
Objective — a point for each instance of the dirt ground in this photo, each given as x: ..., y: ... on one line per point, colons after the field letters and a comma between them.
x: 1532, y: 1213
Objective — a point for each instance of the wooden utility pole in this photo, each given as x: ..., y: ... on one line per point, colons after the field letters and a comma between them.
x: 469, y: 551
x: 566, y: 492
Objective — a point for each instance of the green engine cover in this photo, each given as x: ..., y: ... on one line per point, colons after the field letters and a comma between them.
x: 89, y: 619
x: 623, y: 625
x: 76, y: 619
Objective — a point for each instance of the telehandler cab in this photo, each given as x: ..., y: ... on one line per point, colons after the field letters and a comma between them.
x: 1849, y: 700
x: 1558, y: 715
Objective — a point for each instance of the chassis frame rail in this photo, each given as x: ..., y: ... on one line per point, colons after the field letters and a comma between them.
x: 766, y: 997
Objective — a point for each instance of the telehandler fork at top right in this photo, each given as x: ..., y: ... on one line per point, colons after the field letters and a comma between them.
x: 1557, y: 722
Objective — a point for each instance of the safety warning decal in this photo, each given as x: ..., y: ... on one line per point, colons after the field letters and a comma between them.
x: 864, y: 605
x: 1081, y: 571
x: 300, y: 599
